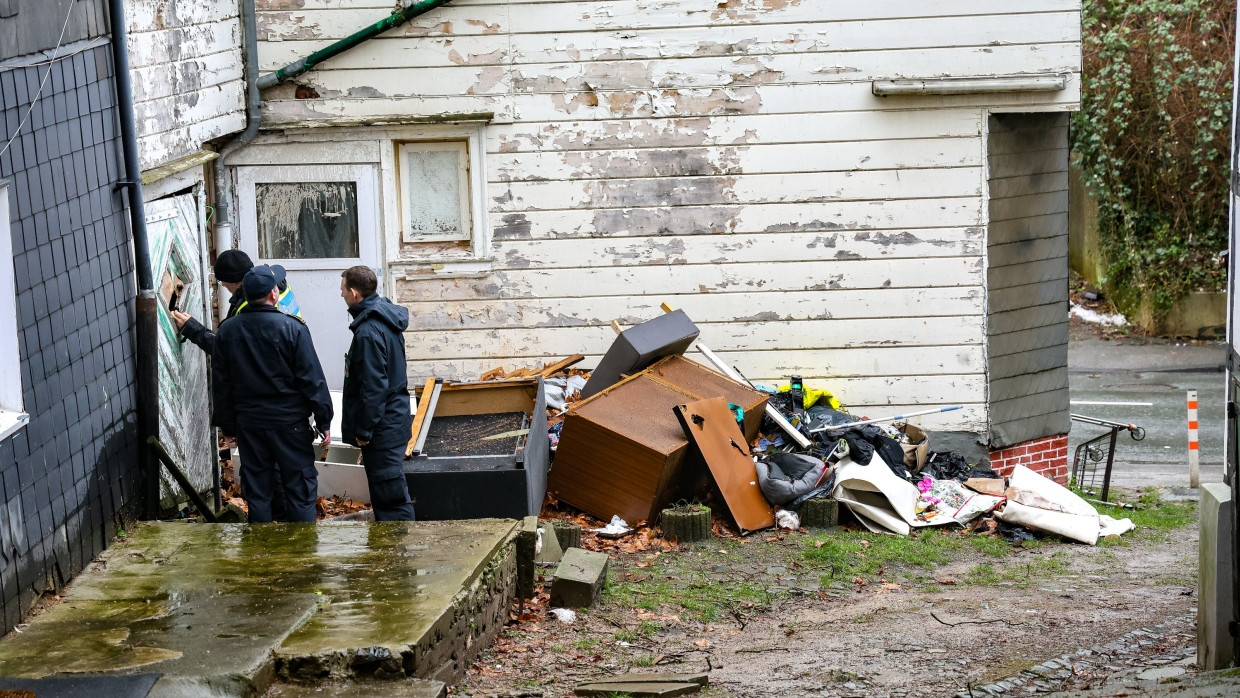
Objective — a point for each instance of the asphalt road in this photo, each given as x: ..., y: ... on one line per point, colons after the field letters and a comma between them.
x: 1161, y: 374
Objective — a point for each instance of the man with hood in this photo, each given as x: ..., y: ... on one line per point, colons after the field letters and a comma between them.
x: 375, y: 411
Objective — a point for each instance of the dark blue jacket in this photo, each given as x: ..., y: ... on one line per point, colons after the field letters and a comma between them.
x: 197, y: 333
x: 376, y: 389
x: 265, y: 372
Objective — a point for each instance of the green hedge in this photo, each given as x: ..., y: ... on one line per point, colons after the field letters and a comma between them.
x: 1152, y: 140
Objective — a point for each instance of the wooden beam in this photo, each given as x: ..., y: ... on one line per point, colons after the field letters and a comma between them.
x: 552, y: 369
x: 424, y: 403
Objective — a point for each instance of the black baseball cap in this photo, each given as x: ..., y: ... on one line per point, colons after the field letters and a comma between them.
x: 232, y: 265
x: 258, y: 282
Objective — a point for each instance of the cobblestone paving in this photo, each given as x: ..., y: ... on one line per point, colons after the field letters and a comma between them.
x: 1159, y: 652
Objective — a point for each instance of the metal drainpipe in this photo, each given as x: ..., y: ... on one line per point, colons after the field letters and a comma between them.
x: 397, y: 18
x: 147, y: 349
x: 253, y: 118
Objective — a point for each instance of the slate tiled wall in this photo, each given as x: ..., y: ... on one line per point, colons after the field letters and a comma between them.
x: 66, y: 475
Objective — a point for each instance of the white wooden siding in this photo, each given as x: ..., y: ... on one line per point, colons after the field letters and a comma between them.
x: 185, y: 62
x: 727, y: 157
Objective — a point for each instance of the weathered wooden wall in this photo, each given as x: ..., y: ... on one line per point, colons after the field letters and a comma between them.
x: 726, y: 157
x: 186, y: 65
x: 1027, y: 277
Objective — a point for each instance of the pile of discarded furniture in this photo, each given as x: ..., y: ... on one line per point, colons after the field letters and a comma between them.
x: 654, y: 428
x: 650, y: 427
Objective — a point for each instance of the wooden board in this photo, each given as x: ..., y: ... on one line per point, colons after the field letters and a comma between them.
x: 420, y: 416
x: 711, y: 427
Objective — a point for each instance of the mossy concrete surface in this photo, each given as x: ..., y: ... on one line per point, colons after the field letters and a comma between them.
x: 226, y: 606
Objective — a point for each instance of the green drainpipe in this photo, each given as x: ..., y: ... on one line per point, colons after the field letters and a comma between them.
x: 397, y: 18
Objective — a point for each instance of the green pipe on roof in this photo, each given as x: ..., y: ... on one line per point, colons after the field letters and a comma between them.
x: 302, y: 65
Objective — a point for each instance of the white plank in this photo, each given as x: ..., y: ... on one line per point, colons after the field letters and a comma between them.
x: 841, y: 304
x: 169, y: 45
x: 878, y: 8
x: 143, y: 15
x: 155, y: 149
x: 577, y: 106
x: 680, y: 42
x: 773, y: 367
x: 735, y: 248
x: 710, y: 72
x: 800, y: 187
x: 741, y: 218
x: 874, y: 336
x: 727, y: 160
x: 279, y: 107
x: 191, y: 76
x: 712, y: 278
x: 173, y: 113
x: 311, y: 22
x: 276, y: 150
x: 732, y: 130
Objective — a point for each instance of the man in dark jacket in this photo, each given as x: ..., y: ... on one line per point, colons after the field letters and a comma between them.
x: 268, y: 384
x: 230, y: 268
x: 375, y: 413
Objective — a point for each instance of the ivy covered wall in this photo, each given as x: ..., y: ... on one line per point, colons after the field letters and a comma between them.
x: 1152, y: 141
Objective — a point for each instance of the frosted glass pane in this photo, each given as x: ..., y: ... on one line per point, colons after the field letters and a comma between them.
x: 433, y: 193
x: 307, y: 220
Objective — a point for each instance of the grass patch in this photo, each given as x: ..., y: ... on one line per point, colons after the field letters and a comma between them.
x: 586, y: 643
x: 706, y: 599
x: 843, y: 556
x: 1154, y: 517
x: 1020, y: 575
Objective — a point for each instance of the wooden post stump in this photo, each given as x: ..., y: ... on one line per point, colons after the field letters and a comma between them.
x: 568, y: 533
x: 820, y: 512
x: 686, y: 524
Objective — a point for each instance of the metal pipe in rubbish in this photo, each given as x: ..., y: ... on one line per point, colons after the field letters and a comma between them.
x: 892, y: 418
x: 771, y: 412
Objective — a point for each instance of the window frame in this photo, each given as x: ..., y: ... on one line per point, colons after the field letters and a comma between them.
x: 464, y: 204
x: 435, y: 261
x: 13, y: 415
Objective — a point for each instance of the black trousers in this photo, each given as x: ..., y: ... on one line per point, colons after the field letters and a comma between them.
x: 278, y: 466
x: 389, y: 491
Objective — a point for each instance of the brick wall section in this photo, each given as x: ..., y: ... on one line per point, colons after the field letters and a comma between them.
x: 1047, y: 456
x: 66, y: 476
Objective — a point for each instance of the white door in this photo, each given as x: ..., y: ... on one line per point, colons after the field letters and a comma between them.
x: 315, y: 221
x: 177, y: 259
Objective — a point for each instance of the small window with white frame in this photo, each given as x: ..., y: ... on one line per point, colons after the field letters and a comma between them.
x: 434, y: 191
x: 12, y: 413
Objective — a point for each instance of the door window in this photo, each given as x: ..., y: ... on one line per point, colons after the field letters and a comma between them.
x: 306, y: 220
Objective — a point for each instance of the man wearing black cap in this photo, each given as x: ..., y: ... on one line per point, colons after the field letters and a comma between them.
x: 230, y: 268
x: 268, y: 384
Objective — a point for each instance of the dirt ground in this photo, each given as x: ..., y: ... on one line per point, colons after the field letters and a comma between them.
x: 926, y: 616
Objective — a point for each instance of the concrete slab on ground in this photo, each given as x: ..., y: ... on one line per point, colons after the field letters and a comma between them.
x: 226, y: 605
x: 414, y: 688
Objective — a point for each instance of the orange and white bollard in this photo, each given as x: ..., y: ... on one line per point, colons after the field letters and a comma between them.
x: 1194, y: 471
